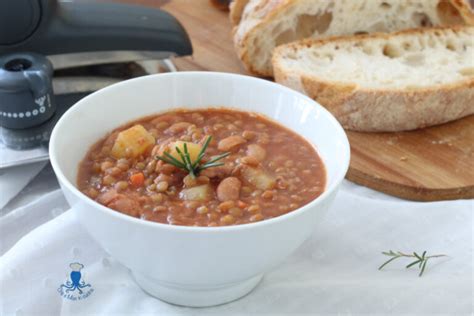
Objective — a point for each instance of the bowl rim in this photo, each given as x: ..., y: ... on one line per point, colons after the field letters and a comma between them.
x: 201, y: 229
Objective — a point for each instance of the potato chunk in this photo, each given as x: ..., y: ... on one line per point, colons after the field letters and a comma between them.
x: 132, y: 142
x: 258, y: 178
x: 200, y: 193
x: 193, y: 150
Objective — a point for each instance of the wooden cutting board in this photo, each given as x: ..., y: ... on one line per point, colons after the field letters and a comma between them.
x: 431, y: 164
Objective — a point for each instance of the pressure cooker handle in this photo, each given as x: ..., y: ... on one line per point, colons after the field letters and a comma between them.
x: 50, y: 28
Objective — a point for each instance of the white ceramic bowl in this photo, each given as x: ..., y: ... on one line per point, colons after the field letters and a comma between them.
x: 195, y: 266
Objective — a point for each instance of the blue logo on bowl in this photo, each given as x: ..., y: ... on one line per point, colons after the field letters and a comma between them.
x: 75, y: 289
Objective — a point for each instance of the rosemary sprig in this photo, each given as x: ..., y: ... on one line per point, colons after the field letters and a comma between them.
x: 420, y: 260
x: 192, y: 167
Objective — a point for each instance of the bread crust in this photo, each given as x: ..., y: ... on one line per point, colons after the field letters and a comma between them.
x: 381, y: 110
x: 263, y: 11
x: 236, y: 9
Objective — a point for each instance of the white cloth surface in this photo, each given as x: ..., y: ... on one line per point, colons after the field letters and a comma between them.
x: 15, y: 224
x: 334, y: 272
x: 13, y: 180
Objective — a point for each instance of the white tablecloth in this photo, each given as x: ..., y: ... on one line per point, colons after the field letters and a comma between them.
x: 334, y: 272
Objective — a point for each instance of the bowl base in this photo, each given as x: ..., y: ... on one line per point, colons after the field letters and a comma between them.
x: 196, y: 296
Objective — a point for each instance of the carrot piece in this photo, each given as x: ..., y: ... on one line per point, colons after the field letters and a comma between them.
x: 241, y: 204
x: 137, y: 179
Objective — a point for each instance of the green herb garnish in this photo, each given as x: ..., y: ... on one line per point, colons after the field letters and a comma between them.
x: 420, y: 260
x: 193, y: 168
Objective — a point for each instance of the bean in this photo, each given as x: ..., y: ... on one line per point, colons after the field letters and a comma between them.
x: 227, y: 219
x: 289, y: 163
x: 96, y: 167
x: 106, y: 165
x: 154, y: 132
x: 315, y: 189
x: 191, y: 128
x: 150, y: 167
x: 203, y: 180
x: 293, y: 206
x: 148, y: 182
x: 151, y: 187
x: 197, y: 117
x: 202, y: 210
x: 123, y: 166
x: 229, y: 189
x: 226, y: 205
x: 232, y: 127
x: 167, y: 169
x: 230, y: 143
x: 155, y: 150
x: 213, y: 216
x: 241, y: 204
x: 256, y: 193
x: 256, y: 217
x: 282, y: 184
x: 162, y: 186
x: 267, y: 194
x: 254, y: 208
x: 189, y: 181
x: 261, y: 126
x: 114, y: 171
x: 191, y: 204
x: 161, y: 125
x: 272, y: 165
x: 162, y: 177
x: 218, y: 126
x: 249, y: 160
x: 108, y: 180
x: 92, y: 193
x: 196, y: 135
x: 295, y: 197
x: 178, y: 127
x: 256, y: 151
x: 160, y: 208
x: 157, y: 198
x: 246, y: 190
x: 105, y: 150
x: 121, y: 185
x: 248, y: 135
x: 236, y: 212
x: 140, y: 165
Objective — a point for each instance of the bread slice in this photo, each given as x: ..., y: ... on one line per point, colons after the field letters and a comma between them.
x: 266, y: 24
x: 236, y: 10
x: 385, y: 82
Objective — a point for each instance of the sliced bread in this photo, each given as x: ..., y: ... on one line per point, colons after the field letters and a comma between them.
x: 385, y: 82
x: 265, y: 24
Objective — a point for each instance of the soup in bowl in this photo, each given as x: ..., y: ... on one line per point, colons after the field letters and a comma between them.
x: 199, y: 182
x: 209, y: 167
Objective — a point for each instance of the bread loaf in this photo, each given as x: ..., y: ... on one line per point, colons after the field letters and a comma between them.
x: 385, y: 82
x: 265, y: 24
x: 236, y: 10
